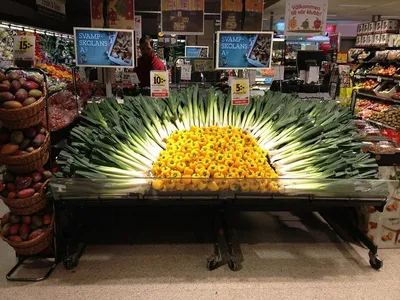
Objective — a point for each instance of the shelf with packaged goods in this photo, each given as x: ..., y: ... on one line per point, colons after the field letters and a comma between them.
x: 376, y: 97
x: 378, y: 77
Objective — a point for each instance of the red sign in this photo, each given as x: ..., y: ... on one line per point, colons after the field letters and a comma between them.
x: 331, y: 28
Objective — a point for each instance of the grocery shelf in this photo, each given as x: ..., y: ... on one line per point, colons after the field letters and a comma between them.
x: 377, y: 97
x: 381, y: 124
x: 381, y: 78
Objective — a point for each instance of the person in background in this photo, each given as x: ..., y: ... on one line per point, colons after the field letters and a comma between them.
x: 147, y: 62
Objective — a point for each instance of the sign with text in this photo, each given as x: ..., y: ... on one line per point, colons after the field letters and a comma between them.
x: 244, y: 50
x: 159, y: 84
x: 186, y: 72
x: 253, y: 15
x: 240, y: 91
x: 130, y: 77
x: 196, y: 51
x: 184, y: 17
x: 120, y: 14
x: 24, y: 47
x: 231, y: 15
x: 203, y: 65
x: 54, y: 8
x: 104, y: 47
x: 305, y: 17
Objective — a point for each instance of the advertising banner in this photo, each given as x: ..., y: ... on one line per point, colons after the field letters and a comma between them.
x: 231, y: 15
x: 196, y: 51
x: 244, y: 50
x: 97, y: 47
x: 120, y: 14
x: 138, y: 34
x: 305, y: 17
x: 184, y: 17
x: 253, y: 15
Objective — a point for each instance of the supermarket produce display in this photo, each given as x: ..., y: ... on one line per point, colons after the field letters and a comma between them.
x: 173, y: 142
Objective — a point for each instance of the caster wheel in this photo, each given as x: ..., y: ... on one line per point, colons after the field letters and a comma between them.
x: 376, y: 263
x: 68, y: 265
x: 232, y: 264
x: 212, y: 263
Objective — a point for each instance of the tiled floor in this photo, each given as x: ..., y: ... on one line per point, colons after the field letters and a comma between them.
x: 283, y: 259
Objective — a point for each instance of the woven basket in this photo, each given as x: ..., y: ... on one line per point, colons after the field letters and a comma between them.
x: 24, y: 123
x: 30, y: 167
x: 24, y: 159
x: 23, y: 113
x: 29, y: 205
x: 35, y: 246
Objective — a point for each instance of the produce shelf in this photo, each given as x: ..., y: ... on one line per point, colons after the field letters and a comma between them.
x: 377, y: 97
x: 381, y: 124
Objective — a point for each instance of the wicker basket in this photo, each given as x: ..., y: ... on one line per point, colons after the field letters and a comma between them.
x: 24, y: 123
x: 23, y: 113
x: 35, y: 246
x: 30, y: 167
x: 29, y: 205
x: 16, y: 160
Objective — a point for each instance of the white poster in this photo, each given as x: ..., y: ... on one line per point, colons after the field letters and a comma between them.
x: 138, y: 34
x: 305, y: 17
x: 186, y: 72
x: 159, y: 84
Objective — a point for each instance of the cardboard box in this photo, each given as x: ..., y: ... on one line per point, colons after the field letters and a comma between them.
x: 390, y: 26
x: 384, y: 39
x: 364, y: 40
x: 371, y: 27
x: 359, y: 40
x: 377, y: 39
x: 365, y: 28
x: 394, y: 40
x: 370, y: 40
x: 359, y: 29
x: 378, y: 27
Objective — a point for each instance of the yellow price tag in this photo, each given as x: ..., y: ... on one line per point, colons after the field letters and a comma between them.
x: 24, y: 47
x: 159, y: 79
x: 159, y: 84
x: 241, y: 88
x: 240, y: 91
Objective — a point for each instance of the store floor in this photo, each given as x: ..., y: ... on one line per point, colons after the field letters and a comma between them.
x: 285, y: 257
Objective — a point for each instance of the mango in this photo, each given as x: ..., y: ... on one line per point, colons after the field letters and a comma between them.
x: 35, y: 94
x: 36, y: 177
x: 4, y: 87
x: 15, y: 238
x: 24, y: 231
x: 37, y: 221
x: 24, y: 184
x: 37, y: 186
x: 21, y: 95
x: 2, y: 77
x: 24, y: 144
x: 6, y: 96
x: 12, y: 195
x: 15, y: 229
x: 28, y: 101
x: 22, y: 80
x: 47, y: 174
x: 15, y: 86
x: 14, y: 219
x: 5, y: 219
x: 12, y: 105
x: 26, y: 193
x: 46, y: 219
x: 30, y: 85
x: 13, y: 76
x: 5, y: 230
x: 30, y: 149
x: 27, y: 220
x: 38, y: 140
x: 17, y: 137
x: 6, y: 82
x: 35, y: 234
x: 8, y: 149
x: 37, y: 78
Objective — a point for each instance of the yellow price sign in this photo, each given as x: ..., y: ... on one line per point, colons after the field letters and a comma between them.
x: 240, y: 91
x: 159, y: 79
x: 24, y: 47
x: 241, y: 88
x: 159, y: 84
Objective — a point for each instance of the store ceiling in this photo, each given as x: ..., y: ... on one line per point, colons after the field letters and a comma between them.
x: 348, y: 10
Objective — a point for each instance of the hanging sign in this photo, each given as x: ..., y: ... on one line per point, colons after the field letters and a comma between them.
x: 240, y: 92
x: 305, y: 17
x: 231, y: 15
x: 53, y: 8
x: 138, y: 34
x: 185, y: 17
x: 159, y: 84
x: 253, y: 15
x: 120, y: 14
x: 186, y: 72
x: 24, y: 47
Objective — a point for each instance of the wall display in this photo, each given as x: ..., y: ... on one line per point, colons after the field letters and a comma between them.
x: 138, y: 34
x: 253, y: 15
x: 231, y: 14
x: 196, y: 51
x: 120, y: 14
x: 99, y: 47
x: 182, y: 16
x: 305, y: 17
x: 244, y: 50
x: 159, y: 84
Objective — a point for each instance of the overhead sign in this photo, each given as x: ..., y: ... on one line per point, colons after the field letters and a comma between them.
x: 244, y: 49
x: 253, y: 15
x: 24, y: 47
x: 185, y: 17
x: 51, y: 7
x: 231, y: 15
x: 159, y: 84
x: 305, y: 17
x: 120, y: 13
x: 98, y: 47
x: 240, y: 91
x: 196, y: 51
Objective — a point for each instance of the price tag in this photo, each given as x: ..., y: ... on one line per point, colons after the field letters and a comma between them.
x: 24, y: 48
x: 159, y: 84
x: 313, y: 74
x: 130, y: 77
x: 186, y: 72
x: 379, y: 79
x: 279, y: 72
x: 240, y: 92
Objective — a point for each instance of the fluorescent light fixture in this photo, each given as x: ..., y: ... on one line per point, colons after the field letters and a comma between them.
x: 278, y: 39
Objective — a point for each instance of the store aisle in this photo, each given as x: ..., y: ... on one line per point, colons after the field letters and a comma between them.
x: 284, y: 258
